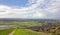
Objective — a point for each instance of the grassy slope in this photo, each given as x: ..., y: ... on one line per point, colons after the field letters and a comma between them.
x: 21, y: 32
x: 6, y: 31
x: 28, y: 32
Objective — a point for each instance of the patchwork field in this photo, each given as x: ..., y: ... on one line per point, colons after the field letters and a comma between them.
x: 29, y: 28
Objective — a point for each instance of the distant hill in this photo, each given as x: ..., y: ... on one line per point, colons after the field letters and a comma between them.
x: 22, y: 19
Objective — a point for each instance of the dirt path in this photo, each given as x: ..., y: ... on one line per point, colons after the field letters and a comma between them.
x: 12, y: 32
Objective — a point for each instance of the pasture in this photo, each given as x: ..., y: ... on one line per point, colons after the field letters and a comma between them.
x: 6, y: 31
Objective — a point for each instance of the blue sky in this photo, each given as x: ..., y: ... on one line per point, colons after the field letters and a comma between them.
x: 43, y: 9
x: 16, y: 3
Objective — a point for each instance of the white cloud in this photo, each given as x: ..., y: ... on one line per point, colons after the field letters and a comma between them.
x: 33, y: 11
x: 4, y: 9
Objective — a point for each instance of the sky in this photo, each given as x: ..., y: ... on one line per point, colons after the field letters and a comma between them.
x: 42, y: 9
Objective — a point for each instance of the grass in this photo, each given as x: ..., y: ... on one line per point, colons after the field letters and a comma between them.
x: 28, y: 32
x: 24, y: 32
x: 6, y: 31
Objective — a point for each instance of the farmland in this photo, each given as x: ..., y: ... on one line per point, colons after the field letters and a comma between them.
x: 30, y: 28
x: 6, y: 31
x: 18, y: 27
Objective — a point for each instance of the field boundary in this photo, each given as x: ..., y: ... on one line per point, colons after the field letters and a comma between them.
x: 12, y: 33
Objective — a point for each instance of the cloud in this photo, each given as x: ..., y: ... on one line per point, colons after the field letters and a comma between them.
x: 37, y: 9
x: 3, y: 9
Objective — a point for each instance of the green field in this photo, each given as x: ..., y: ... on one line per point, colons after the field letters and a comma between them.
x: 28, y: 32
x: 6, y: 31
x: 28, y: 24
x: 25, y: 32
x: 21, y: 28
x: 21, y: 32
x: 21, y: 24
